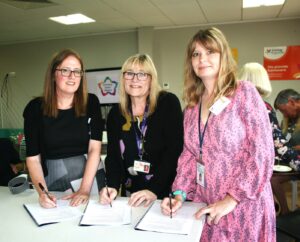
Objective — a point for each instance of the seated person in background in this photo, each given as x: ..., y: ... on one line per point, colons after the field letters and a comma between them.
x: 63, y: 131
x: 145, y: 136
x: 288, y: 103
x: 9, y: 157
x: 284, y: 152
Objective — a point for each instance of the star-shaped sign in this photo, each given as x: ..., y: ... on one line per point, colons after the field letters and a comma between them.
x: 108, y: 86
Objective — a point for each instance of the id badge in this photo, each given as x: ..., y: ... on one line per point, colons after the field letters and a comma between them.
x: 200, y: 174
x: 219, y: 105
x: 141, y: 166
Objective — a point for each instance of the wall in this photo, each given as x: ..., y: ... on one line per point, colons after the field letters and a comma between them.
x: 29, y: 60
x: 249, y: 39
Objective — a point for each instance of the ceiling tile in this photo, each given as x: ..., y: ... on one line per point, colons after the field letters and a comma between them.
x: 221, y: 11
x: 180, y: 12
x: 291, y: 9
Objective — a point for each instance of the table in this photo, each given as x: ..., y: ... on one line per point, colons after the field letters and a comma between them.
x: 17, y: 226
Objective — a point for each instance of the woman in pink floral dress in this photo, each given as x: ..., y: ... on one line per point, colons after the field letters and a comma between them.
x: 228, y: 152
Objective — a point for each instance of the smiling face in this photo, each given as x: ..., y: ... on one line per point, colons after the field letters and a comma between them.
x: 205, y: 62
x: 136, y: 87
x: 68, y: 85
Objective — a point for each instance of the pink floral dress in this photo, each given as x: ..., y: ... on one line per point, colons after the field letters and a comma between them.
x: 238, y: 156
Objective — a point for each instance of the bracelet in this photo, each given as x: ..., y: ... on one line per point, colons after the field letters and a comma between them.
x: 181, y: 193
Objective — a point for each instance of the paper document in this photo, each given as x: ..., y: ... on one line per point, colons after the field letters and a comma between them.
x: 97, y: 214
x: 181, y: 223
x: 43, y: 216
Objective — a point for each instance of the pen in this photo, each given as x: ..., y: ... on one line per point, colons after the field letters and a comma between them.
x: 108, y: 195
x: 170, y: 202
x: 44, y: 191
x: 107, y: 190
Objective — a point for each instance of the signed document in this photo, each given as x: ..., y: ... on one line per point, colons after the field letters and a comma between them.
x: 98, y: 214
x: 181, y: 223
x: 44, y: 216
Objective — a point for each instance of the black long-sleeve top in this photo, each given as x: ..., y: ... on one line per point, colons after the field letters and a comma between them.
x: 163, y: 145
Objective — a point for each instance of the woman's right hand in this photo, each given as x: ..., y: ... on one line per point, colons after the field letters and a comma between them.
x: 107, y: 195
x: 46, y: 202
x: 166, y: 208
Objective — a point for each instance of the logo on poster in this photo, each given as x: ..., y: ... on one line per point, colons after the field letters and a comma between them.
x: 274, y: 53
x: 108, y: 86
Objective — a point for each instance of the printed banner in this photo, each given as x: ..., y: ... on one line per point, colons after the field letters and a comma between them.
x: 104, y: 83
x: 283, y: 62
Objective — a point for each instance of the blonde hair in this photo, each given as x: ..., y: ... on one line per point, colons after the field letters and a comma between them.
x: 49, y: 96
x: 145, y: 62
x: 257, y: 74
x: 212, y: 39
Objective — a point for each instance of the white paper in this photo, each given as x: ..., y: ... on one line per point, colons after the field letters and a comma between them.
x: 98, y: 214
x: 181, y: 223
x: 53, y: 215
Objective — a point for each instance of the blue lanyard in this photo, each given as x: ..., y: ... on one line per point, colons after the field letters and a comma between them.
x: 140, y: 138
x: 201, y: 135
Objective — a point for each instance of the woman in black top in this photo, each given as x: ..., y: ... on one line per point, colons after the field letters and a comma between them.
x: 145, y: 136
x: 62, y: 128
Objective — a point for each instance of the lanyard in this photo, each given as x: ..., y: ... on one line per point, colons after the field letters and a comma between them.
x: 201, y: 135
x: 140, y: 138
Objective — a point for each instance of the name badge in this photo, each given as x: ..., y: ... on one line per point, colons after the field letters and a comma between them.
x: 141, y: 166
x: 219, y: 105
x: 200, y: 174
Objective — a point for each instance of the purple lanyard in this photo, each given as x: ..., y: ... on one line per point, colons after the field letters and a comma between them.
x: 201, y: 135
x: 140, y: 138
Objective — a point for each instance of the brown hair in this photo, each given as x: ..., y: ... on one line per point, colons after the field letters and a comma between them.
x: 49, y: 95
x: 212, y: 39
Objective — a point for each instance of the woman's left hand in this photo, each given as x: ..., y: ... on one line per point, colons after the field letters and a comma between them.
x: 217, y: 210
x: 77, y: 198
x: 137, y: 198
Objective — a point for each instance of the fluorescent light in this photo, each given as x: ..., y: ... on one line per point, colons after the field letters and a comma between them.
x: 259, y: 3
x: 72, y: 19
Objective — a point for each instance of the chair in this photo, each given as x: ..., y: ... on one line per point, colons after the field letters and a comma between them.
x: 289, y: 224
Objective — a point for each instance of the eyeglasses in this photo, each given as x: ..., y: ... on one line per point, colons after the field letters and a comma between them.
x: 68, y: 72
x: 141, y: 76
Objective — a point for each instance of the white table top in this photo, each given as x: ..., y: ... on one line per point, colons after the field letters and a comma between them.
x: 17, y: 225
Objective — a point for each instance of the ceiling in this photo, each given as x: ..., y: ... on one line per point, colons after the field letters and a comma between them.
x: 24, y: 21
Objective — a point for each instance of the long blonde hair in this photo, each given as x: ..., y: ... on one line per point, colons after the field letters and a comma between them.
x: 145, y: 62
x: 49, y: 96
x: 212, y: 39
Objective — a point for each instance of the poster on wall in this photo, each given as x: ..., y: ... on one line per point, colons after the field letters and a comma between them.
x: 104, y: 83
x: 282, y: 62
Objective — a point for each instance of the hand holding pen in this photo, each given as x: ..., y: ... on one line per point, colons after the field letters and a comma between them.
x: 107, y: 195
x: 169, y: 206
x: 50, y: 202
